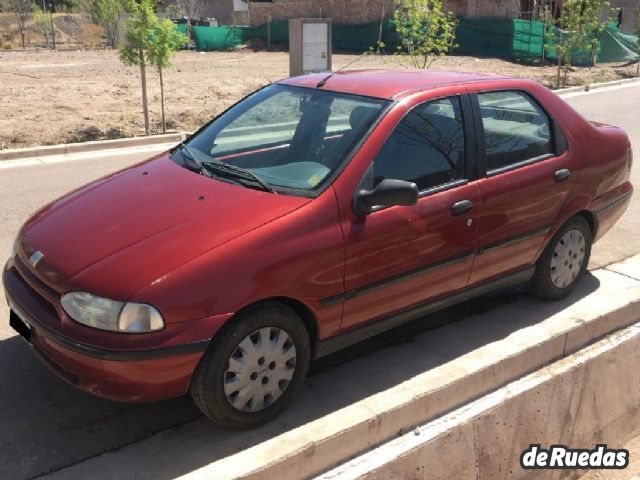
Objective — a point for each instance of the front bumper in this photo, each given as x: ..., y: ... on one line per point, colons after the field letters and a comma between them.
x: 122, y: 374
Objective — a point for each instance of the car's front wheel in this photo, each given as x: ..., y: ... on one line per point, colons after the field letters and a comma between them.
x: 253, y: 367
x: 564, y: 261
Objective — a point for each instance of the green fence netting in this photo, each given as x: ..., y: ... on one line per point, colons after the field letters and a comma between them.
x: 182, y: 28
x: 219, y: 38
x: 500, y: 37
x: 525, y: 40
x: 618, y: 46
x: 272, y: 33
x: 510, y: 39
x: 355, y: 38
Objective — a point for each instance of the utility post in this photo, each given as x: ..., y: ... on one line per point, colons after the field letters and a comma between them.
x: 53, y: 26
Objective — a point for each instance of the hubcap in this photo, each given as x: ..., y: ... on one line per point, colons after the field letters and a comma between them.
x: 260, y: 369
x: 568, y: 258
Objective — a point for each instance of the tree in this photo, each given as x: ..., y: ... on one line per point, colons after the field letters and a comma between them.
x: 190, y: 8
x: 43, y: 21
x: 568, y: 36
x: 22, y: 9
x: 426, y: 32
x: 139, y: 26
x: 106, y: 14
x: 578, y: 29
x: 594, y: 26
x: 165, y: 42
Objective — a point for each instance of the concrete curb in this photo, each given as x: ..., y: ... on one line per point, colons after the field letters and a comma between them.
x: 485, y: 438
x: 317, y: 446
x: 595, y: 86
x: 69, y: 148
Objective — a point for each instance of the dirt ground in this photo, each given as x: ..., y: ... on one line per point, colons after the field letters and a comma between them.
x: 632, y: 472
x: 49, y: 97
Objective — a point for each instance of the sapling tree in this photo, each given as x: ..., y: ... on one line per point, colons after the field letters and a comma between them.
x: 567, y: 37
x: 426, y: 32
x: 139, y: 28
x: 43, y: 21
x: 22, y: 9
x: 597, y: 15
x: 578, y: 28
x: 164, y: 43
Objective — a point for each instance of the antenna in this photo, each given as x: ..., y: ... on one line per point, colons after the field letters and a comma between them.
x: 324, y: 80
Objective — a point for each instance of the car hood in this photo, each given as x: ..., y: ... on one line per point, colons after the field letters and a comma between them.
x: 118, y: 234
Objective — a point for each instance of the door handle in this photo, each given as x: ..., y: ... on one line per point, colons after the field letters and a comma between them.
x: 562, y: 175
x: 463, y: 206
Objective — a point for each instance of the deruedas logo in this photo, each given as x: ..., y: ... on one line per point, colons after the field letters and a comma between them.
x: 560, y: 456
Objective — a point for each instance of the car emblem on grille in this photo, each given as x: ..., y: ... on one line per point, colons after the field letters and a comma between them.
x: 35, y: 258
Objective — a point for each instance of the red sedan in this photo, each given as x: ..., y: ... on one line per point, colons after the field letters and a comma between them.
x: 316, y: 212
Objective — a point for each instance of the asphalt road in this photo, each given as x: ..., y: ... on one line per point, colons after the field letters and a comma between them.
x: 46, y: 425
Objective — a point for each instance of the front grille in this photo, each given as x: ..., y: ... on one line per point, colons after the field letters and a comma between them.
x: 39, y: 291
x: 33, y: 279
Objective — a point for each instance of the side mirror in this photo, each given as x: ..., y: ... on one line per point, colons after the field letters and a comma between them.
x: 388, y: 193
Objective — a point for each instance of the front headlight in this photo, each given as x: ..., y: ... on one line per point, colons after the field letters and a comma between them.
x: 105, y: 314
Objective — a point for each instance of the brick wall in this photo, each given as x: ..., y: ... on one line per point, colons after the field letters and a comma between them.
x: 495, y: 8
x: 340, y: 11
x: 364, y: 11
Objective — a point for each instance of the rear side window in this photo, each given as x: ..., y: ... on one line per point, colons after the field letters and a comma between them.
x: 427, y: 146
x: 516, y: 128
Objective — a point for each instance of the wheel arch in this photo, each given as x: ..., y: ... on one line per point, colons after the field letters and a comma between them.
x: 580, y: 210
x: 302, y: 310
x: 591, y: 220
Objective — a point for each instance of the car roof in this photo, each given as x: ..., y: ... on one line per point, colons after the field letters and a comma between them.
x: 390, y: 84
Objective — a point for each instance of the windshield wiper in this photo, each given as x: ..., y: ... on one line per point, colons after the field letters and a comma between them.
x: 218, y: 167
x: 187, y: 154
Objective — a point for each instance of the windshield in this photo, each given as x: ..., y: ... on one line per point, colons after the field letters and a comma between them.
x: 290, y: 138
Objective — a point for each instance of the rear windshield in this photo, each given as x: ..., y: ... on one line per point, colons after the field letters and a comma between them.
x: 292, y: 138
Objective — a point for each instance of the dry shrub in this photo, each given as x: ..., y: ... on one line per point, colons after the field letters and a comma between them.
x: 92, y: 35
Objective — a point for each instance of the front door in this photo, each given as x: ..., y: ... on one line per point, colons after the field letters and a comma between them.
x: 400, y: 257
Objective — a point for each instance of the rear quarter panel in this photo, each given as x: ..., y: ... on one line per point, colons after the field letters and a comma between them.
x: 598, y: 159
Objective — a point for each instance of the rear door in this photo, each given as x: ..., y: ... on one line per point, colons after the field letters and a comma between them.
x: 525, y: 177
x: 400, y: 257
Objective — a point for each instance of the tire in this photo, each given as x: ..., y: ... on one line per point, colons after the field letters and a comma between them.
x: 265, y: 377
x: 564, y: 261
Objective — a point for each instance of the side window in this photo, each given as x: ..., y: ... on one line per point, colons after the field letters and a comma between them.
x: 427, y: 146
x: 516, y: 128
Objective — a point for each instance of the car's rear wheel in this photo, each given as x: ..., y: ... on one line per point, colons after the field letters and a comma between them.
x: 253, y: 367
x: 564, y: 261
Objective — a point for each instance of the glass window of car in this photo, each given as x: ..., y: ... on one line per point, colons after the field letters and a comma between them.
x: 289, y: 137
x: 516, y: 128
x: 427, y: 147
